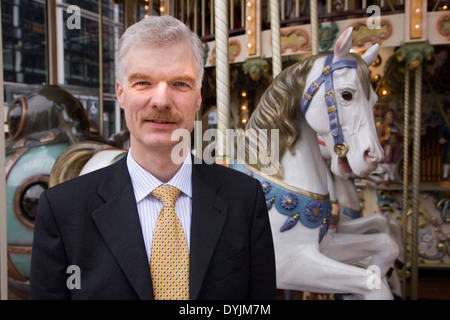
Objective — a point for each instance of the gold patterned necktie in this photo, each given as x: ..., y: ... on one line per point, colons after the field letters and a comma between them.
x: 169, y: 259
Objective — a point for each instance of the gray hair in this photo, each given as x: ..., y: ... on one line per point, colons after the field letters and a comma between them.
x: 159, y: 30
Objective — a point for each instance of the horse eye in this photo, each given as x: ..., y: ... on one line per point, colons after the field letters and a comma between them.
x: 347, y: 95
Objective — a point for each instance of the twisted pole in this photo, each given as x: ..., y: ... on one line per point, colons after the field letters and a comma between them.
x: 275, y: 32
x: 314, y: 27
x: 416, y: 182
x: 405, y: 175
x: 222, y: 77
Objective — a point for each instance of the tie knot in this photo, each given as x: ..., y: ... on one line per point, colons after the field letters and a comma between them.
x: 166, y: 194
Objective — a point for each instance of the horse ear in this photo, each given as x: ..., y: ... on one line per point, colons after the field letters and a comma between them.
x: 343, y: 44
x: 371, y: 54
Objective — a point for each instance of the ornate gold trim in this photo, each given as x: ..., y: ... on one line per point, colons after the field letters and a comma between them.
x: 362, y: 34
x: 295, y: 39
x: 309, y: 194
x: 234, y: 50
x: 443, y: 25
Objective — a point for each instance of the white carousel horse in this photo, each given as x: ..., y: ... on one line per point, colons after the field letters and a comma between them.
x: 303, y: 102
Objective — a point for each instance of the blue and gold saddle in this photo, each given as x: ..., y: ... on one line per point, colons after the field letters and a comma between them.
x: 311, y: 209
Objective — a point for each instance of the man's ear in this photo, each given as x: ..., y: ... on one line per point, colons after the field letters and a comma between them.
x: 119, y: 92
x: 199, y: 101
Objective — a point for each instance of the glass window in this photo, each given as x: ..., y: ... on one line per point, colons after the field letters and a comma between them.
x: 24, y: 55
x: 81, y: 54
x: 92, y: 6
x: 108, y: 59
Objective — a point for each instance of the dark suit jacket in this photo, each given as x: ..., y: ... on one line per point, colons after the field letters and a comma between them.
x: 92, y: 222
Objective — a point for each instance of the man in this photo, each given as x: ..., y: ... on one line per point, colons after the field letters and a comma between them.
x: 102, y: 226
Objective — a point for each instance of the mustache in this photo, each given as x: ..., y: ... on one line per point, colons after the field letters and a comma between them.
x: 163, y: 115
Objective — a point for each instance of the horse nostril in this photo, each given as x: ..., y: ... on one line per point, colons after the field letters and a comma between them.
x: 368, y: 156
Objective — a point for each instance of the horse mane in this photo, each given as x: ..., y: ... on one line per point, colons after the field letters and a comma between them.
x: 363, y: 73
x: 279, y: 108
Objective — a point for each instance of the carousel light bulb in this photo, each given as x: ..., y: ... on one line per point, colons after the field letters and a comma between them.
x: 417, y: 10
x: 161, y: 9
x: 384, y: 92
x: 244, y: 120
x: 244, y: 93
x: 244, y: 107
x: 417, y: 26
x: 249, y: 3
x: 444, y: 7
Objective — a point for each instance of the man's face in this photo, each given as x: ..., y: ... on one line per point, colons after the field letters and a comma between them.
x: 159, y: 93
x: 389, y: 117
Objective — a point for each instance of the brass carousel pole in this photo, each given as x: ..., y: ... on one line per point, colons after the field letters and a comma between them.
x: 314, y: 27
x: 416, y: 41
x: 405, y: 178
x: 222, y: 77
x: 416, y: 181
x: 412, y: 55
x: 3, y: 237
x: 52, y: 65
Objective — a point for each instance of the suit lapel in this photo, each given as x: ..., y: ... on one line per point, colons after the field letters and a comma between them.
x: 209, y: 213
x: 118, y: 223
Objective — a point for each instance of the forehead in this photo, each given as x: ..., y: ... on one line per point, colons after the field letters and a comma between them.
x: 172, y: 56
x: 179, y: 48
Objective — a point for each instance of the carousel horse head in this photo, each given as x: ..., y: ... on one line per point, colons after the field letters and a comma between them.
x: 341, y: 85
x: 334, y: 96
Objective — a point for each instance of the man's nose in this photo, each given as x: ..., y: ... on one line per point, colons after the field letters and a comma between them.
x: 160, y: 98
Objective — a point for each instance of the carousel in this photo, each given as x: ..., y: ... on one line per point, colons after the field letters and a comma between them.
x: 353, y: 100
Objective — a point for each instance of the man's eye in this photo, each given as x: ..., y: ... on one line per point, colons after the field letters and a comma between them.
x: 181, y: 84
x: 141, y: 83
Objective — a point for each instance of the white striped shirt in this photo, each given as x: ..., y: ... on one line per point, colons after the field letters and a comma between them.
x: 149, y: 207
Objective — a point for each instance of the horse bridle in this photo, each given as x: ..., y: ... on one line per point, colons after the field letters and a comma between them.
x: 340, y: 147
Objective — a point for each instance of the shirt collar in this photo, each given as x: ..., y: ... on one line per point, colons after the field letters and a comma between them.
x: 144, y: 182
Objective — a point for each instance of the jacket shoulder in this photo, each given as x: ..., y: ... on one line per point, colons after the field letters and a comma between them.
x: 229, y: 178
